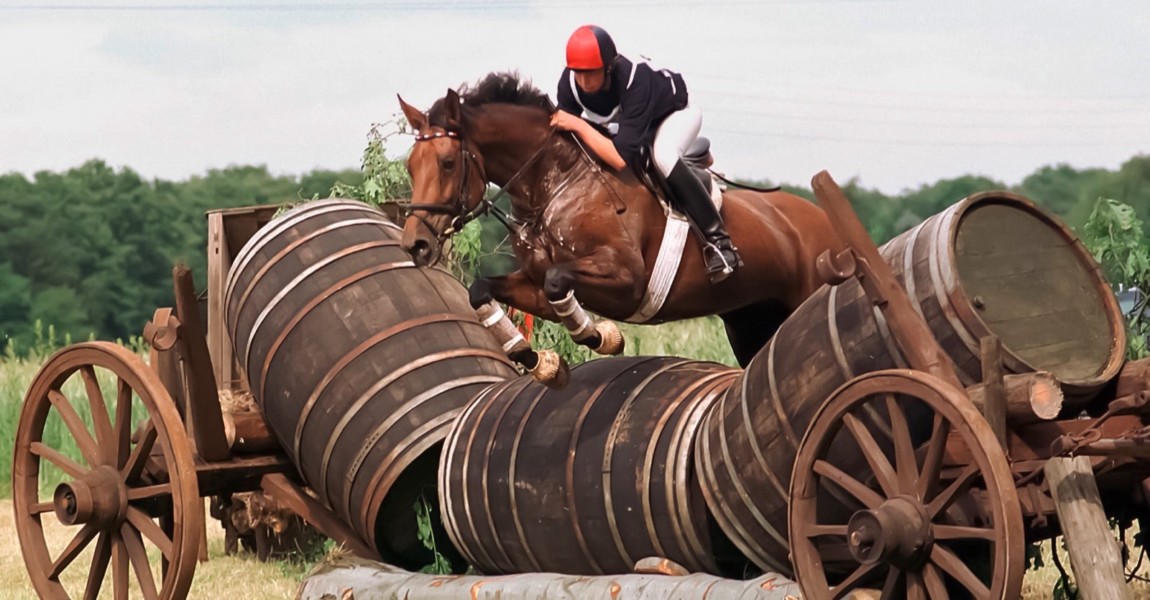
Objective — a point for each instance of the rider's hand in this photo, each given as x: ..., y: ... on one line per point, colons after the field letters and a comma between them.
x: 565, y: 121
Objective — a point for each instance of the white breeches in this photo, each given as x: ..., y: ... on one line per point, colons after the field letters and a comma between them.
x: 675, y: 134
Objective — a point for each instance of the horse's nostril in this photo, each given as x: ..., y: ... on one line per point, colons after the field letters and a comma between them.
x: 421, y: 251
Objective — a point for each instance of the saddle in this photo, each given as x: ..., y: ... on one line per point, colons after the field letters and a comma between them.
x: 699, y: 159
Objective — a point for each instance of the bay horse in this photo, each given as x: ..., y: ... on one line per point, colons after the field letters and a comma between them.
x: 579, y: 227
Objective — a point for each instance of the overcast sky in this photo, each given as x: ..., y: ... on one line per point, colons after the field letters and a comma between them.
x: 895, y: 93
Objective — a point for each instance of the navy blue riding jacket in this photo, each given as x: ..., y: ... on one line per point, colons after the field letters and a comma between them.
x: 636, y: 98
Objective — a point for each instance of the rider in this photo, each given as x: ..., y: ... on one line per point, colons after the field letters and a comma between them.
x: 640, y: 107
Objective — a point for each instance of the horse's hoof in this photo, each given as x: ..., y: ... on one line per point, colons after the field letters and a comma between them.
x: 611, y: 338
x: 551, y: 369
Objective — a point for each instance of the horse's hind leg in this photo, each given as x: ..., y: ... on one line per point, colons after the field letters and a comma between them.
x: 603, y: 337
x: 751, y: 327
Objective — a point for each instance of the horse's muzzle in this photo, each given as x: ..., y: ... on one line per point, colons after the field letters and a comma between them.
x: 424, y: 252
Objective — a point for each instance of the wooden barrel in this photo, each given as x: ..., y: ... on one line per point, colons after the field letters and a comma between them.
x: 359, y: 360
x: 992, y: 264
x: 588, y: 479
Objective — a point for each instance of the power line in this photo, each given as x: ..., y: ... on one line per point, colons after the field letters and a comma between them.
x: 429, y: 5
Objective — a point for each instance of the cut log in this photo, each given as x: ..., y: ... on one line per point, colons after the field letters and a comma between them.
x: 1093, y: 549
x: 1030, y: 397
x: 1133, y: 378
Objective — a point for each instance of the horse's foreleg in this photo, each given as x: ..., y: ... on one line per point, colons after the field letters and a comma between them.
x: 546, y: 366
x: 603, y: 337
x: 514, y: 289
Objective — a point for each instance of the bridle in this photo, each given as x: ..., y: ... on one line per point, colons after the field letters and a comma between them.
x: 458, y: 207
x: 461, y: 215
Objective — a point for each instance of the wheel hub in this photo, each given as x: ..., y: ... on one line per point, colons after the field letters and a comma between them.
x: 100, y: 497
x: 898, y: 532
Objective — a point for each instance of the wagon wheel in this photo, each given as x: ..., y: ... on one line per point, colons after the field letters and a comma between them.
x: 113, y: 492
x: 868, y: 510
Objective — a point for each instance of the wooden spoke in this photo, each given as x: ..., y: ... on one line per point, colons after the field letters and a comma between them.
x: 852, y: 581
x: 827, y: 530
x: 123, y: 430
x: 119, y: 568
x: 935, y: 586
x: 41, y: 507
x: 915, y: 588
x: 139, y: 558
x: 99, y: 566
x: 953, y: 565
x: 944, y: 499
x: 959, y: 532
x: 854, y: 487
x: 145, y: 525
x: 890, y: 587
x: 150, y: 491
x: 99, y: 410
x: 76, y: 427
x: 932, y: 463
x: 73, y: 549
x: 54, y: 456
x: 906, y: 465
x: 875, y: 457
x: 135, y: 463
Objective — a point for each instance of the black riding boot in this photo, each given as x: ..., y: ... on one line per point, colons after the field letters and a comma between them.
x: 693, y: 199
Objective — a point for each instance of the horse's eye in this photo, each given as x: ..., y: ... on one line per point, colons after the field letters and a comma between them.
x: 448, y: 164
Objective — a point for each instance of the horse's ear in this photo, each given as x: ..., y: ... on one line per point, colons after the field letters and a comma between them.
x: 415, y: 117
x: 452, y: 108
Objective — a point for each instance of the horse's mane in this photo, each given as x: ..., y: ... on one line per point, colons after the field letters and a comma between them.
x: 497, y: 87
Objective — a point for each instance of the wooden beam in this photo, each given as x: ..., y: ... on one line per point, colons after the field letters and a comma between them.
x: 1028, y: 398
x: 1093, y: 549
x: 286, y: 493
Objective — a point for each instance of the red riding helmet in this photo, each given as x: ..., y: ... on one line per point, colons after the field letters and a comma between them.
x: 590, y: 48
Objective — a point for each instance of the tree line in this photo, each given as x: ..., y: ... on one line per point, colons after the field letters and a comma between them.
x: 89, y: 251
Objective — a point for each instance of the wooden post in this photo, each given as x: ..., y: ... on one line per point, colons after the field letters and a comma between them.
x: 219, y: 261
x: 1093, y: 549
x: 994, y: 408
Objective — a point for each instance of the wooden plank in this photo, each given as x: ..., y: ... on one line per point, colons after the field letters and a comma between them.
x: 286, y: 493
x: 219, y: 262
x: 1093, y: 549
x: 205, y: 421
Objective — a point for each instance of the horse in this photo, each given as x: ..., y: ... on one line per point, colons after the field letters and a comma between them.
x: 588, y: 236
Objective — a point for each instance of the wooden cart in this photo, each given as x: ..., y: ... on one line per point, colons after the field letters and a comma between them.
x: 158, y: 444
x: 949, y: 514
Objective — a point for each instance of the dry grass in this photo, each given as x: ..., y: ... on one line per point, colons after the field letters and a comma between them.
x: 221, y: 577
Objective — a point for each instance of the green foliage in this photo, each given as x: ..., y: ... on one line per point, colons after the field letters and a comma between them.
x: 423, y: 516
x: 1115, y: 236
x: 382, y: 180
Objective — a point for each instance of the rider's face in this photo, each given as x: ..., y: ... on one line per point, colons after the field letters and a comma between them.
x: 590, y: 81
